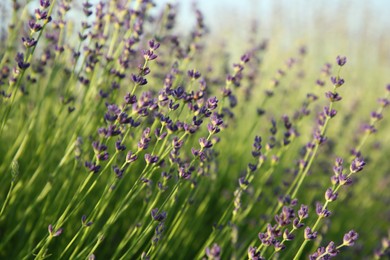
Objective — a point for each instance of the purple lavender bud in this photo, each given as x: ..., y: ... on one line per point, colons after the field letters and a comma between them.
x: 331, y: 249
x: 184, y: 174
x: 243, y: 183
x: 92, y: 166
x: 329, y: 113
x: 303, y: 212
x: 350, y: 238
x: 40, y: 14
x: 130, y: 157
x: 84, y: 221
x: 321, y: 211
x: 343, y: 179
x: 330, y: 195
x: 320, y: 83
x: 341, y: 60
x: 245, y: 58
x: 56, y: 233
x: 384, y: 102
x: 130, y: 99
x: 160, y: 135
x: 150, y: 159
x: 29, y: 42
x: 20, y: 61
x: 336, y: 81
x: 279, y: 246
x: 149, y: 55
x: 34, y: 26
x: 193, y: 74
x: 357, y: 165
x: 253, y: 254
x: 139, y: 80
x: 288, y: 236
x: 118, y: 172
x: 333, y: 96
x: 214, y: 253
x: 388, y: 87
x: 369, y: 128
x: 309, y: 234
x: 44, y: 3
x: 113, y: 130
x: 318, y: 137
x: 158, y: 216
x: 376, y: 116
x: 297, y: 224
x: 212, y: 103
x: 103, y: 156
x: 153, y: 45
x: 204, y: 143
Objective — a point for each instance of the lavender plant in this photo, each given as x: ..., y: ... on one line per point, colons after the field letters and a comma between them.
x: 164, y: 148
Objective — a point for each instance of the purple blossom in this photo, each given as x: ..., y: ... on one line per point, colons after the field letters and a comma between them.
x: 84, y: 221
x: 130, y: 157
x: 350, y: 238
x: 20, y: 61
x: 158, y: 216
x: 331, y: 249
x: 53, y: 233
x: 337, y: 81
x: 214, y: 253
x: 150, y: 159
x: 93, y: 167
x: 29, y: 42
x: 309, y: 234
x: 333, y: 96
x: 330, y: 195
x: 357, y: 165
x: 253, y: 254
x: 341, y: 60
x: 303, y: 212
x: 204, y: 143
x: 321, y: 211
x: 288, y: 236
x: 44, y: 3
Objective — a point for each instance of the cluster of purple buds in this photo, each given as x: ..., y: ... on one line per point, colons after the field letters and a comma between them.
x: 20, y: 61
x: 253, y: 254
x: 92, y: 167
x: 357, y: 165
x: 149, y: 54
x: 302, y: 214
x: 131, y: 157
x: 285, y: 217
x: 327, y: 252
x: 322, y: 211
x: 143, y: 143
x: 213, y: 253
x: 185, y: 171
x: 87, y: 8
x: 193, y: 74
x: 337, y: 81
x: 333, y: 96
x: 309, y: 234
x: 53, y: 233
x: 350, y: 238
x: 341, y: 60
x: 215, y: 122
x: 158, y: 216
x: 151, y: 159
x: 84, y: 221
x: 339, y: 177
x: 100, y: 151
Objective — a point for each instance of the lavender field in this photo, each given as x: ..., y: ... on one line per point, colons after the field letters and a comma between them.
x: 140, y: 129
